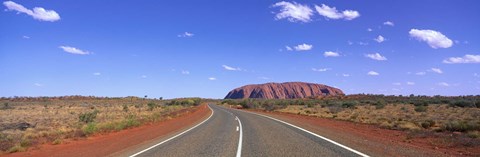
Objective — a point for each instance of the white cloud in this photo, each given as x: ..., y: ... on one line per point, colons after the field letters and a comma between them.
x: 346, y: 75
x: 303, y: 47
x: 331, y: 54
x: 389, y: 23
x: 74, y: 50
x: 97, y: 74
x: 293, y: 12
x: 349, y: 42
x: 420, y: 73
x: 433, y: 38
x: 380, y: 39
x: 226, y: 67
x: 465, y: 59
x: 37, y: 12
x: 397, y: 83
x: 362, y: 43
x: 376, y: 56
x: 444, y: 84
x: 321, y: 69
x: 185, y: 34
x: 373, y: 73
x: 143, y: 76
x: 25, y: 37
x: 212, y: 78
x: 333, y: 13
x: 369, y: 29
x: 38, y: 84
x: 185, y: 72
x: 264, y: 78
x: 288, y: 48
x: 437, y: 70
x: 411, y: 83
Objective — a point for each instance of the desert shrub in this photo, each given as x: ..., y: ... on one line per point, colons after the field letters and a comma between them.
x: 421, y: 108
x: 125, y: 108
x: 461, y: 126
x: 349, y: 104
x: 379, y: 104
x: 88, y: 117
x: 420, y: 103
x: 90, y: 128
x: 151, y: 106
x: 462, y: 103
x: 427, y: 124
x: 473, y: 134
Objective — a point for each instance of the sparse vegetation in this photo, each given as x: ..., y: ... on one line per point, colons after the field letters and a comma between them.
x: 29, y: 121
x: 411, y: 113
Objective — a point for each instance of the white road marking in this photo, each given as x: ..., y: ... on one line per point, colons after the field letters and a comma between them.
x: 305, y: 130
x: 175, y: 135
x: 239, y: 149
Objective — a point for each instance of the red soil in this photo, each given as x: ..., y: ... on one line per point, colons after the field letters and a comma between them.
x: 106, y: 144
x: 376, y: 140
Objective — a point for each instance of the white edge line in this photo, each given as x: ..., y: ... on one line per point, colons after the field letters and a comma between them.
x: 324, y: 138
x: 239, y: 149
x: 175, y: 135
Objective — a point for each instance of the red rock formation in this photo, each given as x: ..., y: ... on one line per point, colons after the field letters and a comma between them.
x: 287, y: 90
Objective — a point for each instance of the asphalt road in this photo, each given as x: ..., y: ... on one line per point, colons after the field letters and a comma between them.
x: 230, y: 132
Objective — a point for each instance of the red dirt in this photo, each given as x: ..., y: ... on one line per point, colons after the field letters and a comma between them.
x: 370, y: 138
x: 106, y: 144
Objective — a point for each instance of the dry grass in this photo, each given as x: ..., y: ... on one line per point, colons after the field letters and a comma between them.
x: 53, y: 120
x: 400, y: 116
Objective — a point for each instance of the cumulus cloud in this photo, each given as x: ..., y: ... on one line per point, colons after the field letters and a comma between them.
x: 397, y: 83
x: 293, y: 12
x: 37, y: 13
x: 346, y: 75
x: 143, y: 76
x: 212, y: 78
x: 411, y: 83
x: 376, y: 56
x: 420, y: 73
x: 25, y: 37
x: 379, y: 39
x: 369, y: 29
x: 331, y: 54
x: 288, y: 48
x: 74, y: 50
x: 373, y: 73
x: 226, y: 67
x: 333, y: 13
x: 321, y: 69
x: 303, y: 47
x: 443, y: 84
x: 433, y: 38
x: 465, y: 59
x: 389, y: 23
x: 185, y: 72
x: 185, y: 35
x: 38, y: 84
x: 97, y: 74
x: 436, y: 70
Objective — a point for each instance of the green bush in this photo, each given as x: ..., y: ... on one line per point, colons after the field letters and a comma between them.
x: 461, y: 126
x: 90, y: 128
x: 427, y: 124
x: 88, y: 117
x: 151, y: 106
x: 421, y: 108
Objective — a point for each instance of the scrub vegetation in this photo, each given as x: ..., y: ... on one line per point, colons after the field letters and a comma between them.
x: 29, y: 121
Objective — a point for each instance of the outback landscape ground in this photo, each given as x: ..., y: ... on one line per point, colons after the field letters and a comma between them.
x: 29, y: 122
x: 451, y: 123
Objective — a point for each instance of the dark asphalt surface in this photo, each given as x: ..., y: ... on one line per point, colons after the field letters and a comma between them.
x: 261, y: 137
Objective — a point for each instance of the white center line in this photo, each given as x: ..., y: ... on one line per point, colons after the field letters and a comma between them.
x: 239, y: 149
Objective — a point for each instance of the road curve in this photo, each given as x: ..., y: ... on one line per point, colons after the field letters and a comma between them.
x: 221, y: 135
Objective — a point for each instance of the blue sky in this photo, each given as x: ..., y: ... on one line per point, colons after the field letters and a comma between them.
x: 204, y: 49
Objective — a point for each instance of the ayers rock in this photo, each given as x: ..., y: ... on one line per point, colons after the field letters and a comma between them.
x: 287, y: 90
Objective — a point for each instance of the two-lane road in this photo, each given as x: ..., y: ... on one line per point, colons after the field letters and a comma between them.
x: 229, y: 132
